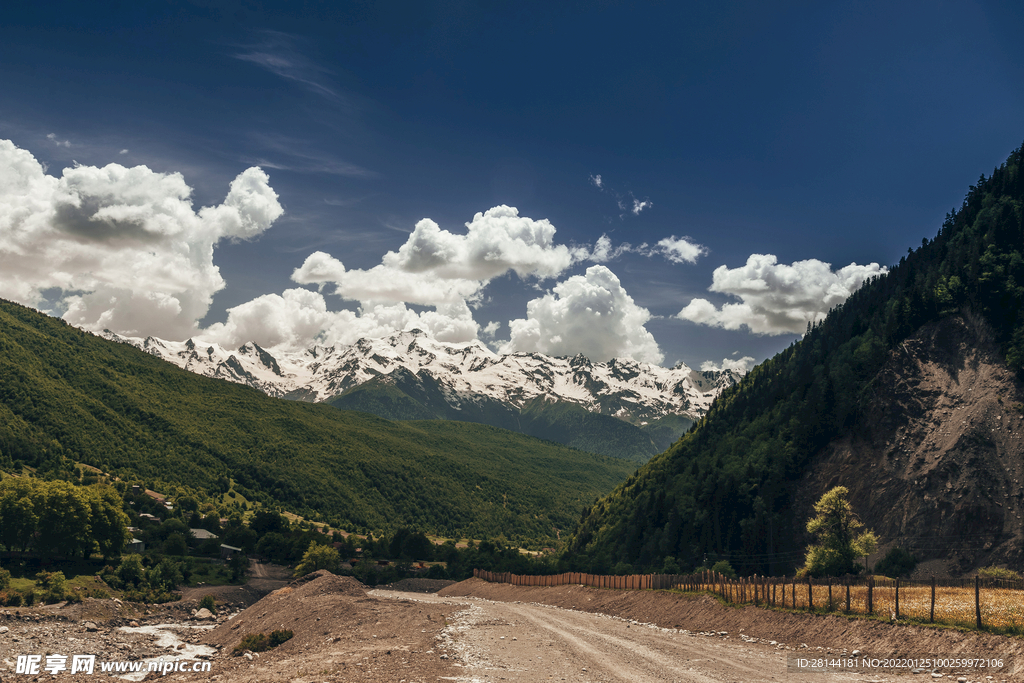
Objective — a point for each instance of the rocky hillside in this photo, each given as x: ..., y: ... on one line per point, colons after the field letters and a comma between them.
x: 937, y: 460
x: 908, y: 395
x: 622, y: 407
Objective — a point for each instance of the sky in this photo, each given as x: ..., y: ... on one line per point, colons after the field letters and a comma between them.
x: 670, y: 182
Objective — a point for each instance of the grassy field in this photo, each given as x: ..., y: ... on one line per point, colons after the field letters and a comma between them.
x: 1001, y: 602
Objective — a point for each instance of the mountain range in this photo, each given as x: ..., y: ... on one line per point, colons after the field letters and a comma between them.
x: 68, y: 397
x: 621, y: 407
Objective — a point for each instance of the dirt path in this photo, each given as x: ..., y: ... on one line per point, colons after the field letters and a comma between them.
x: 527, y: 642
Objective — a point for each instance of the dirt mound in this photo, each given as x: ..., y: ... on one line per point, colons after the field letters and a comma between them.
x: 93, y: 609
x: 296, y: 607
x: 703, y: 613
x: 330, y: 583
x: 336, y: 627
x: 418, y: 585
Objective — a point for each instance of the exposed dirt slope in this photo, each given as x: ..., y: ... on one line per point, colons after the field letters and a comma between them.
x: 339, y: 633
x: 935, y: 466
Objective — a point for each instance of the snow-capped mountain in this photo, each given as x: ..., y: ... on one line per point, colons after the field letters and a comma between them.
x: 626, y: 389
x: 622, y: 407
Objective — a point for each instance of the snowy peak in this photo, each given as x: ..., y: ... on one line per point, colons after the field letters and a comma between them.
x: 624, y: 388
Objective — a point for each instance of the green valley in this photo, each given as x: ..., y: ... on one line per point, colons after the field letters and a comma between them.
x: 67, y: 396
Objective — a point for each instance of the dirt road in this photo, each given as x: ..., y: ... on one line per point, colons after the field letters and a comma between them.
x: 528, y: 642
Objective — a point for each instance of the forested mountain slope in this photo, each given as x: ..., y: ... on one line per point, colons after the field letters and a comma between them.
x: 881, y: 372
x: 66, y: 395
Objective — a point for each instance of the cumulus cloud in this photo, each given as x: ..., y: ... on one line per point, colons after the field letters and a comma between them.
x: 681, y: 250
x: 436, y: 267
x: 124, y: 244
x: 298, y: 317
x: 740, y: 365
x: 590, y: 314
x: 777, y: 298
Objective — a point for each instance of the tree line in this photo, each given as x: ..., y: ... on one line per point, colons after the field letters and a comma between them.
x: 57, y: 518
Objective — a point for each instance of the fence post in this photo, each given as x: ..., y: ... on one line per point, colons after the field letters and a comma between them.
x: 977, y: 600
x: 931, y: 615
x: 897, y: 598
x: 783, y: 591
x: 871, y: 586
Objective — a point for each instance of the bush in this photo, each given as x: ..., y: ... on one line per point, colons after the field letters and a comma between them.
x: 14, y: 599
x: 724, y: 568
x: 208, y: 602
x: 55, y: 586
x: 130, y: 571
x: 260, y: 642
x: 896, y: 563
x: 5, y: 579
x: 998, y: 573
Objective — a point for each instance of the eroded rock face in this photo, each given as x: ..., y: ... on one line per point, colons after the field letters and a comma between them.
x: 935, y: 464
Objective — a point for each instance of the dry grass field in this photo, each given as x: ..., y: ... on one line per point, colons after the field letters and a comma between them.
x: 1002, y: 602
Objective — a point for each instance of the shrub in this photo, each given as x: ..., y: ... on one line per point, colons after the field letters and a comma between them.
x: 209, y: 602
x: 998, y: 573
x: 55, y: 585
x: 5, y: 579
x: 130, y: 571
x: 896, y: 563
x: 28, y: 597
x: 14, y: 599
x: 724, y: 568
x: 259, y: 642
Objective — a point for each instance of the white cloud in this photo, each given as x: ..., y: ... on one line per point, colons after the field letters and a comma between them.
x: 60, y: 143
x: 676, y: 250
x: 680, y: 250
x: 740, y: 365
x: 123, y: 151
x: 491, y: 329
x: 590, y: 314
x: 596, y: 180
x: 496, y: 241
x: 777, y: 299
x: 124, y: 244
x: 603, y: 250
x: 298, y: 318
x: 438, y: 268
x: 639, y: 206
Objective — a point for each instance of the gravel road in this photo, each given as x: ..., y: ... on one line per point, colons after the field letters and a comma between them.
x: 528, y: 642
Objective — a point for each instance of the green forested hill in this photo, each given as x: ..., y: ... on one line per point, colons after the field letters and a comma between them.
x: 726, y: 486
x: 66, y: 395
x: 401, y: 395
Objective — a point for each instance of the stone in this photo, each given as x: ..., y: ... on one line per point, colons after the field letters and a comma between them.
x: 203, y: 614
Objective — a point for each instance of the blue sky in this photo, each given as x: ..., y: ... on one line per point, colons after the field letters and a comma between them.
x: 802, y: 131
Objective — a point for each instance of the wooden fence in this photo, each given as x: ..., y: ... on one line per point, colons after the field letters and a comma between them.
x: 966, y: 602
